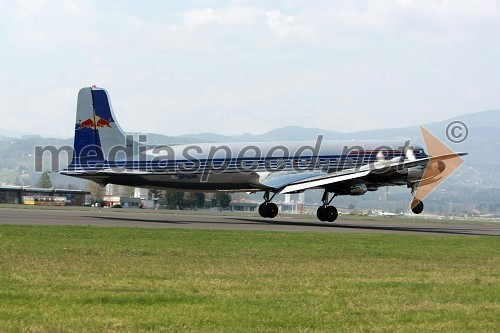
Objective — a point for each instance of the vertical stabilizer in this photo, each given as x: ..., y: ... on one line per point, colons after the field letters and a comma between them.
x: 97, y: 134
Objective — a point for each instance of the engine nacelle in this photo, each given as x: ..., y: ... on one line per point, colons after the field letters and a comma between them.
x: 358, y: 189
x: 414, y: 174
x: 432, y: 170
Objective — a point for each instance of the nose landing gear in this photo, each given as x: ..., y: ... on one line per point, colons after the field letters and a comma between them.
x: 417, y: 206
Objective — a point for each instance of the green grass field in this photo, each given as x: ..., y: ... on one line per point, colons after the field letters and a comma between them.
x: 60, y: 279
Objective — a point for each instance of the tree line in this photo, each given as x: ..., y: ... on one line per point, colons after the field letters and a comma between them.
x: 171, y: 199
x: 190, y: 200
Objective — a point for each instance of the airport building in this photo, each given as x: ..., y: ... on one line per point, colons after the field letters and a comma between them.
x: 126, y: 202
x: 42, y: 196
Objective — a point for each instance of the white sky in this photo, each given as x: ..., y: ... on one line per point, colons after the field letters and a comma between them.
x: 228, y: 67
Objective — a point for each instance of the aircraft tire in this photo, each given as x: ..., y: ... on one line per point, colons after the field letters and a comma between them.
x: 419, y: 208
x: 331, y: 213
x: 321, y: 213
x: 271, y: 210
x: 263, y: 209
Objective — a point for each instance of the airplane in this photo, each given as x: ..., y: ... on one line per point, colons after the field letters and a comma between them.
x: 105, y: 154
x: 387, y: 214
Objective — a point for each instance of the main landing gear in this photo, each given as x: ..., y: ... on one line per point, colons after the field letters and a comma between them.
x: 267, y: 208
x: 327, y: 213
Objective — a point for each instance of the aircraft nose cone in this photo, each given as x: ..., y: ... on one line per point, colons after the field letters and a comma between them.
x: 441, y: 166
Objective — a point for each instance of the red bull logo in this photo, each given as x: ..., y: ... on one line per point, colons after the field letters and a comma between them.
x: 89, y: 123
x: 94, y: 123
x: 103, y: 123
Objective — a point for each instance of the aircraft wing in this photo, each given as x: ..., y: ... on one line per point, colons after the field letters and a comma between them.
x: 398, y: 165
x: 315, y: 180
x: 323, y: 180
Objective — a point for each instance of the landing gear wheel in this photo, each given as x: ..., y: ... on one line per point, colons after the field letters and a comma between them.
x: 267, y: 208
x: 326, y: 212
x: 271, y: 210
x: 418, y: 208
x: 263, y: 209
x: 321, y: 213
x: 331, y: 213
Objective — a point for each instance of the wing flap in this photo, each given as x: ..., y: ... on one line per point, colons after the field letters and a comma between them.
x: 322, y: 181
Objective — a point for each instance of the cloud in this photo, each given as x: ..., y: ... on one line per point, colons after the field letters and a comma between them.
x: 28, y: 9
x: 199, y: 17
x: 177, y: 40
x: 45, y: 110
x: 75, y: 7
x: 286, y: 27
x: 97, y: 59
x: 274, y: 22
x: 31, y: 40
x: 235, y: 16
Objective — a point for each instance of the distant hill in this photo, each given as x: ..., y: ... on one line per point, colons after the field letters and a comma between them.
x: 486, y: 122
x: 486, y: 119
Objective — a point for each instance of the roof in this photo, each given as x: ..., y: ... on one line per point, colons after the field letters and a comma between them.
x: 42, y: 190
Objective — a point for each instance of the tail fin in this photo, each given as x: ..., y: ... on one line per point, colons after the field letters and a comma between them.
x: 96, y: 129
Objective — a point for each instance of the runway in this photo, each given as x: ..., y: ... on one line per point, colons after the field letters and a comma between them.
x: 143, y: 219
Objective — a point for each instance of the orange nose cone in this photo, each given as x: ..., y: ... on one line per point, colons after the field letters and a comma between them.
x: 441, y: 166
x: 434, y: 168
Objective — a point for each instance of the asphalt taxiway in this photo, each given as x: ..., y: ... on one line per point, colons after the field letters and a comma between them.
x: 125, y: 218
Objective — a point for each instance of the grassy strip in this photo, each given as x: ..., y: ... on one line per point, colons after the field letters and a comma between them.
x: 131, y: 279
